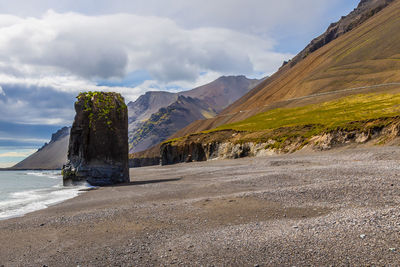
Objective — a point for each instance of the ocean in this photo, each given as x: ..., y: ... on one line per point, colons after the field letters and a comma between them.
x: 22, y: 192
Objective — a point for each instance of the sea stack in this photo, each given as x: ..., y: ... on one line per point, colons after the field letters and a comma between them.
x: 98, y: 144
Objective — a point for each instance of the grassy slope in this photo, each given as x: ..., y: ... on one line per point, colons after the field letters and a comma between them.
x: 328, y: 115
x: 367, y: 55
x: 360, y: 113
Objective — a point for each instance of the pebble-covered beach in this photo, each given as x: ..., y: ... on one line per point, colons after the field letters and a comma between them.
x: 327, y: 208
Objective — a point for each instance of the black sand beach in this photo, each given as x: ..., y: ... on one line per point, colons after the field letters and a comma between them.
x: 329, y: 208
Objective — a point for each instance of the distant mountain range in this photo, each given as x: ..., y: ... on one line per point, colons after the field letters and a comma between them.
x: 154, y: 117
x: 169, y: 120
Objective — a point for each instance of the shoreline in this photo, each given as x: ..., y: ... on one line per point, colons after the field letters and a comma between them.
x: 334, y: 207
x: 23, y: 195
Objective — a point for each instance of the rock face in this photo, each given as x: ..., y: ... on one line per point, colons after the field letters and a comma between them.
x: 98, y: 145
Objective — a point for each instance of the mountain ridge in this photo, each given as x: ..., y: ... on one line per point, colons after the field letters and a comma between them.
x: 168, y: 120
x: 214, y: 96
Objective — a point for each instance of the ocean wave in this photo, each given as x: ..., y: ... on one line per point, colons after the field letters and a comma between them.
x: 47, y: 174
x: 21, y: 203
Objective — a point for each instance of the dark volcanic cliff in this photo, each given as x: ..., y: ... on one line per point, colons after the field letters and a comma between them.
x: 98, y: 146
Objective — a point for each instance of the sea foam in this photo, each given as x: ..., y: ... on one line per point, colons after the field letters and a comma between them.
x: 27, y: 191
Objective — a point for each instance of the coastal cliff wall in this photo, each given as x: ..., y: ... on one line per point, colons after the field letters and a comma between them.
x: 202, y: 147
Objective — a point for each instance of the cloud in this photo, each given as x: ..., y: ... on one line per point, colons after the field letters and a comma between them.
x: 17, y: 154
x: 7, y: 164
x: 11, y: 156
x: 251, y: 16
x: 112, y: 45
x: 45, y: 61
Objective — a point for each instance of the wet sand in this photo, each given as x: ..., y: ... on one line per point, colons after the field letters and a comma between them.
x: 328, y: 208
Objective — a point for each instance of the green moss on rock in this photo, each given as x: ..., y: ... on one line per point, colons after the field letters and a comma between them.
x: 99, y: 105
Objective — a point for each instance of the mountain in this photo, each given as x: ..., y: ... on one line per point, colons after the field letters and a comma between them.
x: 147, y: 104
x: 222, y: 92
x: 169, y: 120
x: 362, y: 53
x: 51, y: 156
x: 210, y: 99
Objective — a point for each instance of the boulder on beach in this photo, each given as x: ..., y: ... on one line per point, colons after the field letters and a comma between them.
x: 98, y: 144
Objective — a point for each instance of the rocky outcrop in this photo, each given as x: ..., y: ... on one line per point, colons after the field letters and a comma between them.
x: 364, y: 10
x: 171, y: 154
x: 229, y: 144
x: 98, y: 145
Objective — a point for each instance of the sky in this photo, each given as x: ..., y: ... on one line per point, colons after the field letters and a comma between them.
x: 52, y: 50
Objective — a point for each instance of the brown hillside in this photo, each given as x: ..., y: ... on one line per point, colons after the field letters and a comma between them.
x: 368, y: 55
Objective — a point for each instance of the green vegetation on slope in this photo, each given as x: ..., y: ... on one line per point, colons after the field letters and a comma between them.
x: 283, y: 127
x: 329, y: 115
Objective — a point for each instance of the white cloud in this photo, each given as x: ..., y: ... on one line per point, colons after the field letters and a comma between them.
x: 7, y: 164
x: 112, y: 45
x: 17, y: 154
x: 57, y: 55
x: 2, y: 91
x: 35, y: 140
x: 249, y: 16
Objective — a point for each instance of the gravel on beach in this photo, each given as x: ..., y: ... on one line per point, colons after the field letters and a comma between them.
x: 340, y: 207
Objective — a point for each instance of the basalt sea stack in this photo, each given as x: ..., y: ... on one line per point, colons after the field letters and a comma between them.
x: 98, y: 145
